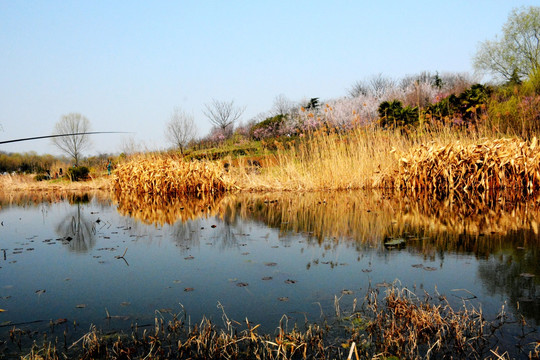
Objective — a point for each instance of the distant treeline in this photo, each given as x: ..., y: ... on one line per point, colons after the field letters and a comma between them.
x: 32, y: 163
x: 29, y: 162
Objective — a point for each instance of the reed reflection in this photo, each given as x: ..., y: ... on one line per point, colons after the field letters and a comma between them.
x: 501, y: 229
x: 160, y: 210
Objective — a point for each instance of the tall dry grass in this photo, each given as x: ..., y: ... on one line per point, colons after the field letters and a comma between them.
x: 330, y: 160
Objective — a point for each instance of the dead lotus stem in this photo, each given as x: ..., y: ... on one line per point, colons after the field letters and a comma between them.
x: 493, y: 164
x: 170, y: 177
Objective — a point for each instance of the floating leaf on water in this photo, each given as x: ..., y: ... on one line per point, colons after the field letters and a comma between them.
x: 60, y: 321
x: 346, y: 292
x: 67, y: 279
x: 267, y: 278
x: 245, y: 253
x: 289, y: 281
x: 527, y: 275
x: 284, y: 298
x: 395, y: 242
x: 125, y: 303
x: 270, y: 264
x: 80, y: 306
x: 242, y: 284
x: 418, y: 266
x: 275, y: 247
x: 429, y: 268
x: 188, y: 289
x: 189, y: 257
x: 383, y: 284
x: 177, y: 281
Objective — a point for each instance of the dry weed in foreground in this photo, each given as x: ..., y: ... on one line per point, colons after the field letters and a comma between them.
x: 509, y: 164
x: 406, y: 327
x: 166, y: 176
x: 400, y: 326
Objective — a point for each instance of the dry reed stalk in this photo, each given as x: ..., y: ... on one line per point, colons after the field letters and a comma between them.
x: 331, y: 160
x: 326, y: 160
x: 165, y: 176
x: 509, y: 164
x: 401, y: 325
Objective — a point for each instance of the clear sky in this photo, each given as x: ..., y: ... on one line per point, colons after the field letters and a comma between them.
x: 125, y: 65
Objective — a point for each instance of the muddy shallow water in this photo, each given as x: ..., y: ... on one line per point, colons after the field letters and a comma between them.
x: 74, y: 261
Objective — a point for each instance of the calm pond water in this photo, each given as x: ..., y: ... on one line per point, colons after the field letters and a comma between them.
x: 260, y: 256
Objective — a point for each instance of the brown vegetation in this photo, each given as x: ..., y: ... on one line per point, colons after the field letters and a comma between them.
x: 508, y: 164
x: 399, y: 326
x: 165, y: 176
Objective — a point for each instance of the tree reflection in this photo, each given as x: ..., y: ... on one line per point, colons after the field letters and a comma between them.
x: 77, y: 231
x: 511, y: 270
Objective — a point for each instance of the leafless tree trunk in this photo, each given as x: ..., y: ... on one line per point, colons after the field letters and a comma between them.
x: 282, y: 105
x: 181, y: 129
x: 72, y: 145
x: 223, y: 114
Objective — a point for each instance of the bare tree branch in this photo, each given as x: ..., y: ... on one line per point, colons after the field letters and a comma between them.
x: 72, y: 145
x: 181, y: 129
x: 223, y: 114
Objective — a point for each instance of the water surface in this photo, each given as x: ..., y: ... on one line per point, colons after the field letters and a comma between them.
x: 120, y: 263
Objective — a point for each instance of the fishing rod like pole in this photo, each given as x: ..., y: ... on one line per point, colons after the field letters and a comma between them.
x: 60, y: 135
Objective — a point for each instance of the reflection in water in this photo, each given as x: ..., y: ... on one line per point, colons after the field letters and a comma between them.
x: 35, y: 198
x: 161, y: 210
x: 499, y: 229
x: 78, y: 231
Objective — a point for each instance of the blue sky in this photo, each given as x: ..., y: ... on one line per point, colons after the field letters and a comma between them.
x: 125, y: 65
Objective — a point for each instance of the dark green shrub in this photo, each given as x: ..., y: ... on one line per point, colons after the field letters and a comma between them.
x: 393, y: 114
x: 41, y: 177
x: 464, y: 106
x: 78, y: 173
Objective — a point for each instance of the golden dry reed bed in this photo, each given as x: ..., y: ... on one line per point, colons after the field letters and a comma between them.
x: 320, y: 161
x: 509, y: 164
x: 165, y: 176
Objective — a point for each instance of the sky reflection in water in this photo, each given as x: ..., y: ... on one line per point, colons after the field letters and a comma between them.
x: 260, y: 256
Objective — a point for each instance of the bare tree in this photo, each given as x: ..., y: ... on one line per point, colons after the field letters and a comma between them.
x: 376, y: 86
x: 282, y: 105
x: 223, y: 114
x: 181, y: 129
x: 72, y: 145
